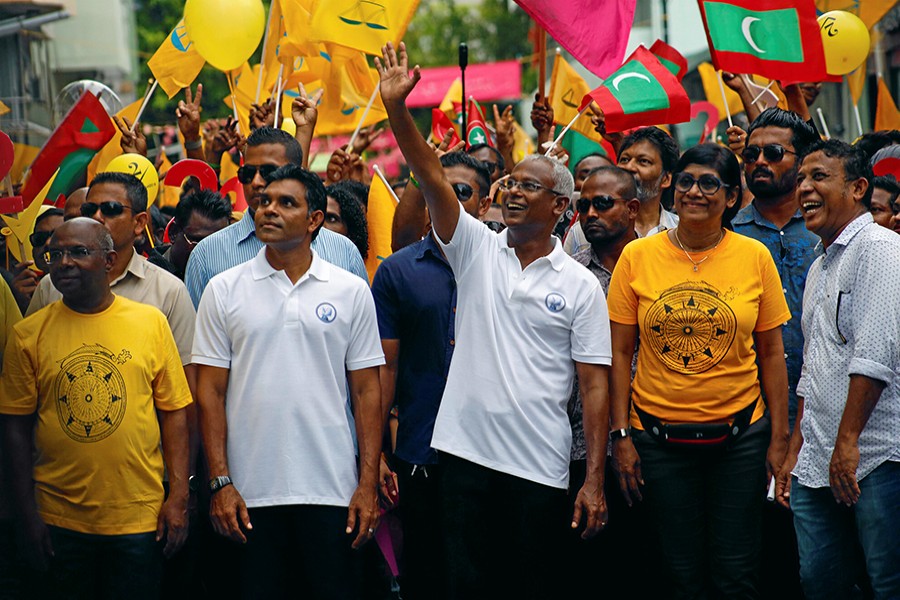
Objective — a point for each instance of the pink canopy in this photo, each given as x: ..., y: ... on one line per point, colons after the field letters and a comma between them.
x: 485, y: 82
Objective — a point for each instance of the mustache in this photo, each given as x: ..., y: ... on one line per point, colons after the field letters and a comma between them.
x: 763, y: 171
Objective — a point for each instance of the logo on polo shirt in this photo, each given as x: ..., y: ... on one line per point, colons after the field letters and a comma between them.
x: 555, y: 302
x: 326, y: 312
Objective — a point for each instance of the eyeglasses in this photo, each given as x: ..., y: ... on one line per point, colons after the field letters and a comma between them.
x: 189, y: 241
x: 773, y: 153
x: 246, y: 173
x: 107, y: 209
x: 708, y: 184
x: 600, y: 203
x: 529, y: 187
x: 76, y: 253
x: 463, y: 191
x: 39, y: 238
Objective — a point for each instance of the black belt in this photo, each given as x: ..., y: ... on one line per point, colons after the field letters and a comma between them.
x: 697, y: 434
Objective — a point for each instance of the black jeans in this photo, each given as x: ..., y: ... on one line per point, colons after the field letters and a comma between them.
x: 300, y: 551
x: 504, y: 534
x: 422, y: 569
x: 707, y: 506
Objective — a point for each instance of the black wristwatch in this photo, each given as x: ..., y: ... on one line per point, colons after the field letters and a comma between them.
x: 618, y: 434
x: 193, y: 484
x: 217, y: 483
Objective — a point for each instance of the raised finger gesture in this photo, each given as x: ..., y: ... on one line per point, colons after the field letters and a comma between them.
x: 132, y: 142
x: 188, y: 113
x: 304, y: 109
x: 393, y: 68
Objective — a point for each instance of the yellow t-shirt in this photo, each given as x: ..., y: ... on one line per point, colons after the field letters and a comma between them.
x: 696, y: 361
x: 95, y: 382
x: 9, y: 316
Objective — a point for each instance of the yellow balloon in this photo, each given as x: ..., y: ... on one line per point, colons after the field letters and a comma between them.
x: 225, y: 32
x: 845, y: 39
x: 140, y: 167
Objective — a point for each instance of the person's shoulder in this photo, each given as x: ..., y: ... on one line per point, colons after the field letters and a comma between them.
x: 34, y: 322
x: 220, y: 239
x: 135, y: 308
x: 747, y: 244
x: 162, y: 277
x: 232, y: 276
x: 583, y: 256
x: 331, y: 241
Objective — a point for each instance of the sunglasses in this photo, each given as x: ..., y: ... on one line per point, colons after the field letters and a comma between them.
x: 107, y: 209
x: 76, y: 253
x: 773, y: 153
x: 463, y: 191
x: 39, y: 238
x: 708, y: 184
x: 246, y: 173
x: 600, y: 203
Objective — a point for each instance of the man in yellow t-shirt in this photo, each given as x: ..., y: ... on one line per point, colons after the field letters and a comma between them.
x: 88, y: 383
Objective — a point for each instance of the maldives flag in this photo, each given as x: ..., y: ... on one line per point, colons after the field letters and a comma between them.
x: 778, y: 39
x: 82, y: 133
x: 670, y: 58
x: 476, y: 128
x: 440, y: 125
x: 641, y: 92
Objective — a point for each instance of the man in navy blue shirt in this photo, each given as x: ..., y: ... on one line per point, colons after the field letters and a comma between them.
x: 415, y: 297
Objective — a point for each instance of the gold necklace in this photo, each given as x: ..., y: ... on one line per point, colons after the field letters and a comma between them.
x: 702, y: 260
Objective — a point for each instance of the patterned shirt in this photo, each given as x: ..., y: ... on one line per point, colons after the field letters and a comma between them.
x: 851, y: 321
x: 237, y: 244
x: 793, y: 248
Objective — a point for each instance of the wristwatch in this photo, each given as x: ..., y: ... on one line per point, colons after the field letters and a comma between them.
x: 618, y: 434
x: 217, y: 483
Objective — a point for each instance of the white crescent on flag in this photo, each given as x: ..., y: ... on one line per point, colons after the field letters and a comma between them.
x: 745, y: 29
x: 617, y: 80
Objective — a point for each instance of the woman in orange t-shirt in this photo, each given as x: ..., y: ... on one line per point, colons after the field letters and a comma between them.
x: 690, y: 433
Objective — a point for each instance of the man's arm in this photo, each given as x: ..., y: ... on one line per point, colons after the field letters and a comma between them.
x: 594, y: 387
x: 227, y: 509
x: 773, y: 376
x: 365, y: 394
x: 861, y: 400
x: 173, y: 518
x: 305, y: 113
x: 625, y: 457
x: 396, y: 84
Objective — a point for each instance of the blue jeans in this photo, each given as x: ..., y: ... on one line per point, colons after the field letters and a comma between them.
x: 831, y: 536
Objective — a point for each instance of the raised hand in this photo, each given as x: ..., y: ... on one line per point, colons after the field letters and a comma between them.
x: 365, y: 137
x: 132, y: 142
x: 444, y: 147
x: 541, y: 115
x: 262, y: 115
x: 393, y: 68
x: 304, y: 109
x: 504, y: 124
x: 188, y: 113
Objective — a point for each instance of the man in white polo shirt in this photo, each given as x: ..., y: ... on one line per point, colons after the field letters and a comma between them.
x: 278, y: 340
x: 528, y: 316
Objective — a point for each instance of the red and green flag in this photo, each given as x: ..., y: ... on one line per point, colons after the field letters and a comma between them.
x: 778, y: 39
x: 670, y: 58
x: 641, y: 92
x: 476, y: 128
x: 440, y: 125
x: 82, y: 133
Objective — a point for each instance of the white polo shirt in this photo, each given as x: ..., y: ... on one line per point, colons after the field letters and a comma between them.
x: 518, y: 333
x: 288, y: 347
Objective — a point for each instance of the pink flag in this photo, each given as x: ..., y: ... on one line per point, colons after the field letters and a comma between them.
x: 595, y: 32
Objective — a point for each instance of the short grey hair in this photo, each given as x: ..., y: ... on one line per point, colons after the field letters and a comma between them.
x: 563, y: 183
x: 104, y: 237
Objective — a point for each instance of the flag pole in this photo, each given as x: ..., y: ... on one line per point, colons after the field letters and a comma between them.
x: 463, y: 63
x: 824, y: 124
x: 761, y: 93
x: 146, y: 101
x: 262, y: 59
x: 237, y: 119
x: 724, y: 99
x: 542, y: 64
x: 278, y: 94
x: 559, y: 138
x: 386, y: 184
x: 858, y: 118
x: 363, y: 117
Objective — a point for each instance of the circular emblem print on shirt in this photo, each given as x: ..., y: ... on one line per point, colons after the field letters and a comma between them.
x: 90, y: 393
x: 690, y: 328
x: 326, y: 312
x: 555, y: 302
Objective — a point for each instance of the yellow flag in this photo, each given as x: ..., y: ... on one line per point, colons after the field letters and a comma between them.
x: 20, y: 227
x: 112, y: 148
x: 856, y: 81
x: 380, y: 216
x: 4, y: 109
x: 176, y: 63
x: 228, y: 169
x: 244, y: 95
x: 23, y: 156
x: 452, y: 100
x: 170, y: 195
x: 567, y: 88
x: 366, y: 25
x: 710, y: 76
x: 295, y: 39
x: 886, y: 114
x: 523, y: 145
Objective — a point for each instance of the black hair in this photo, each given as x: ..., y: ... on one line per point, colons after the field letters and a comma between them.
x: 158, y: 220
x: 726, y: 166
x: 623, y: 177
x: 50, y: 212
x: 208, y: 203
x: 872, y: 142
x: 358, y: 190
x: 889, y: 184
x: 461, y: 159
x: 592, y: 155
x: 353, y: 216
x: 856, y: 163
x: 665, y: 144
x: 270, y: 135
x: 134, y: 189
x: 501, y: 164
x: 804, y: 134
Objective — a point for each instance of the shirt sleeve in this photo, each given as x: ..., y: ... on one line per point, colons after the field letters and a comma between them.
x: 18, y: 383
x: 590, y: 335
x: 875, y: 319
x: 170, y: 386
x: 622, y: 301
x: 387, y: 305
x: 773, y: 307
x: 212, y: 343
x: 196, y: 276
x: 467, y: 243
x: 181, y: 316
x: 364, y: 350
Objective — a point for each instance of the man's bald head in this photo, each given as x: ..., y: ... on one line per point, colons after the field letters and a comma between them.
x: 72, y: 208
x: 87, y: 231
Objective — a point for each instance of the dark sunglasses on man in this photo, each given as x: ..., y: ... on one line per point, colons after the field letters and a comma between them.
x: 39, y: 238
x: 246, y: 173
x: 601, y: 203
x: 463, y: 191
x: 107, y: 209
x: 773, y: 153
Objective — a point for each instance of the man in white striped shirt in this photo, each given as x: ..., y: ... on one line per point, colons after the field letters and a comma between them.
x: 267, y: 149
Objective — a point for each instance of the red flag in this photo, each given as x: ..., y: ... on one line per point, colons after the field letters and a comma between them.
x: 82, y: 133
x: 476, y: 128
x: 670, y: 58
x: 641, y: 92
x: 440, y: 125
